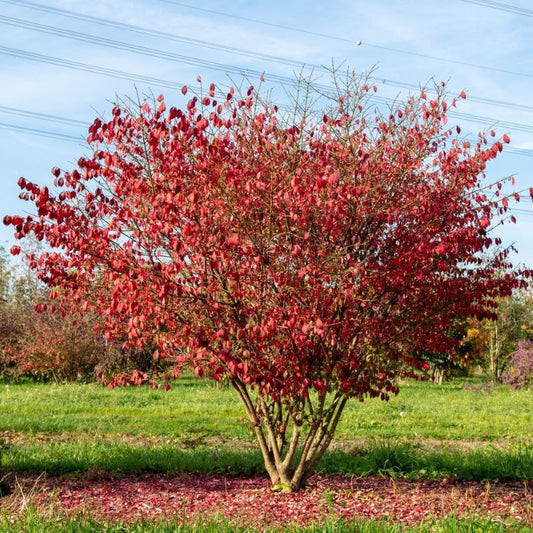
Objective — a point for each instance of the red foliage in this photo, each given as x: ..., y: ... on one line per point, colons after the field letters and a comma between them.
x: 249, y: 502
x: 305, y: 260
x: 40, y: 340
x: 49, y: 344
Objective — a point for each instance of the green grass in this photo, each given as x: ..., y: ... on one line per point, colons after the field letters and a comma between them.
x: 196, y: 427
x: 382, y: 458
x: 428, y: 431
x: 194, y: 410
x: 404, y: 459
x: 34, y: 522
x: 123, y: 458
x: 424, y: 410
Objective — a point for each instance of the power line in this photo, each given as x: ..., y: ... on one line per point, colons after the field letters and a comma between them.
x: 159, y: 34
x: 264, y: 23
x: 41, y: 116
x: 488, y: 121
x: 162, y: 54
x: 41, y: 133
x: 501, y: 7
x: 188, y: 59
x: 471, y: 98
x: 519, y: 151
x: 196, y: 61
x: 479, y: 119
x: 500, y: 103
x: 76, y: 65
x: 137, y: 49
x: 69, y: 121
x: 231, y: 49
x: 521, y: 211
x: 280, y: 26
x: 344, y: 39
x: 456, y: 62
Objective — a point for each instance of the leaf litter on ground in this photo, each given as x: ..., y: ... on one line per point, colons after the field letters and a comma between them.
x: 249, y: 500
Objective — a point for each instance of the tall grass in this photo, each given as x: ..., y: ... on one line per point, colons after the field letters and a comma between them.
x: 404, y: 459
x: 378, y: 458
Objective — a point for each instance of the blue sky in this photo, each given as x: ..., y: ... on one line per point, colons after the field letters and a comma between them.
x: 482, y: 46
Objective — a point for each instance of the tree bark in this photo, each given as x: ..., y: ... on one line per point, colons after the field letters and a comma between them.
x: 278, y: 453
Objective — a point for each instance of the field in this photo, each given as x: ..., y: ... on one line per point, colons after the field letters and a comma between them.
x: 82, y: 457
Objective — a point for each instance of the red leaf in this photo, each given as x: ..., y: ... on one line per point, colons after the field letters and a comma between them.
x: 232, y: 240
x: 333, y: 178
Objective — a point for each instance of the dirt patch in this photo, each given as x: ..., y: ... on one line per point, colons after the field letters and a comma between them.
x: 425, y: 444
x: 11, y: 438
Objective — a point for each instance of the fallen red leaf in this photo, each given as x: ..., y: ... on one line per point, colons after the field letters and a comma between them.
x: 249, y: 500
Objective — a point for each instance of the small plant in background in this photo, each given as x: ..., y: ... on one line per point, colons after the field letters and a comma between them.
x: 520, y: 373
x: 57, y: 347
x: 461, y: 361
x: 39, y: 341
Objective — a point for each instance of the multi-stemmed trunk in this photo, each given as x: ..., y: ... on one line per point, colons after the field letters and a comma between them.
x: 292, y: 437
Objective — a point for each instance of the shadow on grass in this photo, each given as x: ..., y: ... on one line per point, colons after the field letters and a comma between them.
x: 379, y: 458
x: 407, y: 460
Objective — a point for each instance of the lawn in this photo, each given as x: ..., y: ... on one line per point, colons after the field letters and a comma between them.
x: 195, y: 410
x: 461, y: 445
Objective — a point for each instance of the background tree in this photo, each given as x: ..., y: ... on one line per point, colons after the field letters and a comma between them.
x: 461, y: 358
x: 304, y: 256
x: 514, y: 324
